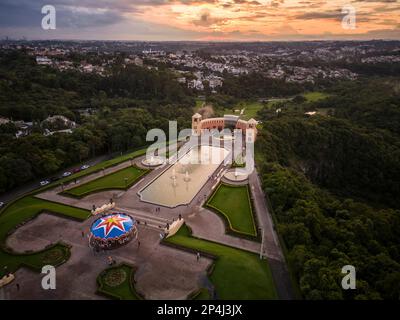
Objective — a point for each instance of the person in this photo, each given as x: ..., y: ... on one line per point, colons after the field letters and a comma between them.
x: 138, y: 244
x: 17, y: 285
x: 83, y: 234
x: 198, y: 256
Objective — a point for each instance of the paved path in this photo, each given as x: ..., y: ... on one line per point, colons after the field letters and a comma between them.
x: 204, y: 223
x: 207, y: 225
x: 30, y: 186
x: 272, y: 246
x: 163, y: 272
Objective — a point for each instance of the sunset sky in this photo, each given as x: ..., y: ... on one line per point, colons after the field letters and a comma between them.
x: 220, y: 20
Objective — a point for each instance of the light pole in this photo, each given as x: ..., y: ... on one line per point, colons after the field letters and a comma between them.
x: 262, y: 243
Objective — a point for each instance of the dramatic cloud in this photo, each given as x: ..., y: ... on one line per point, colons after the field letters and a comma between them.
x: 200, y: 19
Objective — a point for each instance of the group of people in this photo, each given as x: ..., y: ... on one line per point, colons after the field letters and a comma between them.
x: 111, y: 243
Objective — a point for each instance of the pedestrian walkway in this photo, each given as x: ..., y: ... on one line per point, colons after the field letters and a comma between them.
x: 207, y: 225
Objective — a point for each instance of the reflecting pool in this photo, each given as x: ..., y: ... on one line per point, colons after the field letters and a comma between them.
x: 180, y: 183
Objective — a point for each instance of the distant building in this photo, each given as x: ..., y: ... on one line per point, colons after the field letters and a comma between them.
x: 228, y: 121
x: 4, y: 121
x: 196, y: 84
x: 58, y: 122
x: 44, y: 61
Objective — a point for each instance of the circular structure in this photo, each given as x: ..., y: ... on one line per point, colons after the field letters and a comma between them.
x: 236, y: 175
x: 153, y: 161
x: 112, y: 231
x: 115, y: 277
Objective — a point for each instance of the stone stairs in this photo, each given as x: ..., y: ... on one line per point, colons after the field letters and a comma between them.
x: 147, y: 219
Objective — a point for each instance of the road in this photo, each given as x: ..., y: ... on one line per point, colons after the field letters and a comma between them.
x: 276, y: 258
x: 32, y: 185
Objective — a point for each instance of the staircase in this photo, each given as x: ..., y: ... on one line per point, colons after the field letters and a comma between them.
x: 146, y: 219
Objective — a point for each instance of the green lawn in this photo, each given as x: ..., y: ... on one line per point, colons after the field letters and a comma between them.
x: 25, y: 209
x: 115, y: 180
x: 199, y: 104
x: 234, y: 204
x: 251, y: 109
x: 237, y: 274
x: 203, y: 294
x: 116, y: 282
x: 55, y: 255
x: 29, y: 207
x: 315, y: 96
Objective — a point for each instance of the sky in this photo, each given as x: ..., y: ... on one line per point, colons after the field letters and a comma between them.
x: 203, y: 20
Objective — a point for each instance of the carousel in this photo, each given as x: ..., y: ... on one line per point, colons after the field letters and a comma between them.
x: 112, y: 231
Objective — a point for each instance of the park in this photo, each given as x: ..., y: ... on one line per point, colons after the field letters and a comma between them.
x: 134, y: 228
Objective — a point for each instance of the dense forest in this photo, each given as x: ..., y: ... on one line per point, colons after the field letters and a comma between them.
x: 127, y: 104
x: 333, y: 182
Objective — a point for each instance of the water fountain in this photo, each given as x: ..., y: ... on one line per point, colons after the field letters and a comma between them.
x: 187, y: 177
x: 174, y: 184
x: 153, y: 161
x: 167, y: 192
x: 173, y: 176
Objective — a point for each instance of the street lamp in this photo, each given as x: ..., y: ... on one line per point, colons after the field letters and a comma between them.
x: 262, y: 243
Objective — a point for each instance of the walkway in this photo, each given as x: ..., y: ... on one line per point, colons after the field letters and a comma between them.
x: 272, y: 246
x: 207, y: 225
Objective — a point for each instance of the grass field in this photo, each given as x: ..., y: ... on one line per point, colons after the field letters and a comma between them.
x: 315, y: 96
x: 29, y: 207
x: 116, y: 290
x: 23, y: 210
x: 115, y: 180
x: 237, y: 274
x: 233, y: 203
x: 199, y: 105
x: 251, y: 109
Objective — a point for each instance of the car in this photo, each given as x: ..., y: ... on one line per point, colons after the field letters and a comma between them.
x: 66, y: 174
x: 1, y: 204
x: 76, y: 170
x: 85, y: 166
x: 54, y: 179
x: 44, y: 182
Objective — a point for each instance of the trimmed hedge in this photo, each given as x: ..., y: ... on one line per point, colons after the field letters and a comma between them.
x: 112, y: 292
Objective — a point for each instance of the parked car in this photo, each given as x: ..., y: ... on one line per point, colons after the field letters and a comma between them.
x: 1, y: 204
x: 66, y: 174
x: 85, y: 166
x: 54, y: 179
x: 44, y: 182
x: 76, y: 170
